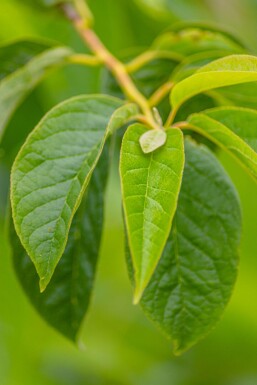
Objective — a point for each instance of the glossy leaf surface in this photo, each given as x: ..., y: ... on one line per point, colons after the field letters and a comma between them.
x: 234, y: 69
x: 52, y: 171
x: 150, y: 188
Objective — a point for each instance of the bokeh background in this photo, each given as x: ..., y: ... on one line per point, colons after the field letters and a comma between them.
x: 119, y: 346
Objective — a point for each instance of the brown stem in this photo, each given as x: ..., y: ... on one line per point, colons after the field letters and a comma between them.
x: 117, y: 68
x: 160, y: 94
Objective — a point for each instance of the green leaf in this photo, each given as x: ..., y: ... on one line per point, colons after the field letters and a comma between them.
x: 210, y: 30
x: 242, y: 95
x: 233, y: 130
x: 194, y: 62
x: 196, y: 274
x: 65, y: 301
x: 194, y: 40
x: 234, y: 69
x: 150, y: 188
x: 23, y: 65
x: 52, y: 171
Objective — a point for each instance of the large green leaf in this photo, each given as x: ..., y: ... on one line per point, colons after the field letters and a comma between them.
x: 233, y: 130
x: 194, y: 62
x: 242, y: 95
x: 196, y: 274
x: 52, y: 171
x: 150, y: 188
x: 66, y: 299
x: 234, y: 69
x: 194, y: 40
x: 23, y: 64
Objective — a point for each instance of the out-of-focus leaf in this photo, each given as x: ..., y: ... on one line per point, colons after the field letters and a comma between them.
x: 190, y: 41
x: 23, y: 65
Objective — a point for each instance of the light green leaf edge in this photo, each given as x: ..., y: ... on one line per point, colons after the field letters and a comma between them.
x: 120, y: 117
x: 226, y: 139
x: 231, y: 70
x: 142, y: 279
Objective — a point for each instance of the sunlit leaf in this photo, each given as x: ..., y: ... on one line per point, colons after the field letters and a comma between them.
x: 52, y: 171
x: 235, y: 130
x: 150, y: 188
x: 234, y: 69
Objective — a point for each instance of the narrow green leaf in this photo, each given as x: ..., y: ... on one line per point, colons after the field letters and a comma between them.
x: 23, y: 65
x: 234, y: 69
x: 241, y: 121
x: 233, y: 130
x: 150, y: 188
x: 65, y: 301
x: 52, y: 171
x: 197, y: 271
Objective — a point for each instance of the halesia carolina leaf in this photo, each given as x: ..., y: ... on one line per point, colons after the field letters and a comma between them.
x: 233, y: 69
x: 150, y: 188
x: 196, y: 274
x: 65, y: 301
x: 52, y: 170
x: 233, y: 130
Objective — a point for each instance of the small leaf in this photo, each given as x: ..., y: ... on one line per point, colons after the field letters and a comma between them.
x: 152, y: 139
x: 150, y: 188
x: 52, y: 171
x: 234, y: 69
x: 196, y: 274
x: 234, y: 131
x: 23, y: 65
x: 65, y: 301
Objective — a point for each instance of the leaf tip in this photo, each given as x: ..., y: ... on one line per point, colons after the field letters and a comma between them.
x: 42, y: 284
x: 137, y: 295
x: 180, y: 347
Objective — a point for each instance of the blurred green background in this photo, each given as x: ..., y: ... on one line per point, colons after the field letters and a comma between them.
x: 118, y: 344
